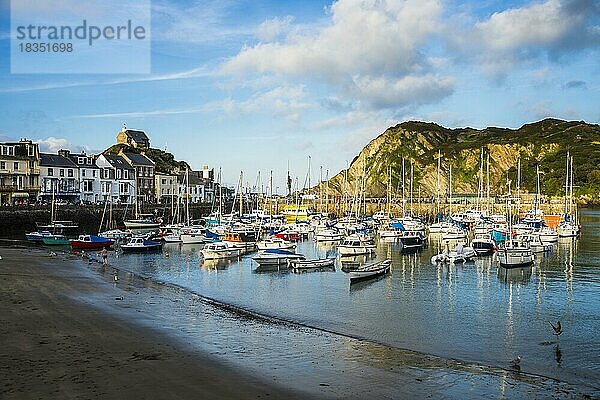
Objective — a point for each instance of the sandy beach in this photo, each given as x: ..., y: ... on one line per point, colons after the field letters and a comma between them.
x: 55, y: 347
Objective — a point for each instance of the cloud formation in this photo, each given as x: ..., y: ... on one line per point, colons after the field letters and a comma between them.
x: 550, y: 28
x: 53, y: 144
x: 367, y: 44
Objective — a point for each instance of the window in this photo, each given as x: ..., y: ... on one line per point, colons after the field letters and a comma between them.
x: 83, y: 172
x: 50, y: 171
x: 2, y: 165
x: 11, y: 151
x: 164, y: 181
x: 80, y: 160
x: 16, y: 166
x: 30, y: 151
x: 62, y: 172
x: 70, y: 173
x: 94, y: 173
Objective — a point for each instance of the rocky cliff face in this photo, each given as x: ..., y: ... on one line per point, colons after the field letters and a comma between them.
x: 545, y: 143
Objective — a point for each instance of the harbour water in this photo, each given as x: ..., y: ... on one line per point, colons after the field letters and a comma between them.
x: 475, y: 313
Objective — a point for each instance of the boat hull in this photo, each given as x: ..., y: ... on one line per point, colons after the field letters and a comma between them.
x: 78, y: 245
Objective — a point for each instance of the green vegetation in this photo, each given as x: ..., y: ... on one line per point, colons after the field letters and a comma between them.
x: 165, y: 162
x: 544, y: 143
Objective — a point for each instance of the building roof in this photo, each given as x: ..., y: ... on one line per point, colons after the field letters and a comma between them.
x: 195, y: 178
x: 139, y: 159
x: 117, y: 161
x: 138, y: 136
x: 55, y: 160
x: 75, y: 159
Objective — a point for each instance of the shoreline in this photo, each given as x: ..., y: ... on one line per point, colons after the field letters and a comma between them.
x: 57, y: 347
x: 194, y: 331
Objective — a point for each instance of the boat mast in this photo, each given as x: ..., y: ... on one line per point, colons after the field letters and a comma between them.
x: 439, y: 165
x: 488, y: 183
x: 389, y: 199
x: 411, y: 186
x: 537, y: 191
x: 403, y: 191
x: 187, y: 196
x: 450, y: 191
x: 567, y: 187
x: 480, y: 186
x: 241, y: 188
x: 327, y: 192
x: 518, y: 186
x: 220, y: 197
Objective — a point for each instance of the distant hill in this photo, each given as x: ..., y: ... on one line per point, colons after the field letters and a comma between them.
x: 545, y: 143
x: 165, y: 161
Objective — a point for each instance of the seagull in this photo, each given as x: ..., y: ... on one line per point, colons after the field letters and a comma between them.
x: 557, y: 328
x: 516, y: 363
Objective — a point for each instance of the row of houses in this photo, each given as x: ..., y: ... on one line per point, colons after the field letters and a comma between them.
x: 28, y: 176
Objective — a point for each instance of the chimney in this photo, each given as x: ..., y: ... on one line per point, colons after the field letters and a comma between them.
x: 64, y: 153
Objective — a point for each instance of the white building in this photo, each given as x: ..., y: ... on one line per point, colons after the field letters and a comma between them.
x: 117, y: 179
x: 89, y: 176
x: 59, y: 177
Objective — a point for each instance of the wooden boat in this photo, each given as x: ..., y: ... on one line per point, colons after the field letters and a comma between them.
x: 140, y: 245
x: 370, y: 271
x: 301, y: 265
x: 276, y: 257
x: 56, y: 240
x: 91, y: 242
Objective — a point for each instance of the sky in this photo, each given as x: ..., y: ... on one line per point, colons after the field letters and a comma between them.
x: 262, y: 85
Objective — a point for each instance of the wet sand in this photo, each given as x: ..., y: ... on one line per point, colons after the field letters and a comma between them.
x: 55, y: 347
x: 70, y: 329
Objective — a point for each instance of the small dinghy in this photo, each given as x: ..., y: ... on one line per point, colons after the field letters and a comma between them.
x: 370, y: 271
x: 276, y: 257
x: 305, y: 265
x: 140, y: 245
x: 460, y: 254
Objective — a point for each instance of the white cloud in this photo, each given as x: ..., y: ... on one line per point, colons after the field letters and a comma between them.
x: 273, y: 28
x: 516, y: 35
x: 367, y: 42
x: 53, y: 144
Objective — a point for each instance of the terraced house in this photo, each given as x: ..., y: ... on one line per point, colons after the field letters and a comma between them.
x: 144, y: 176
x: 59, y: 176
x: 19, y: 171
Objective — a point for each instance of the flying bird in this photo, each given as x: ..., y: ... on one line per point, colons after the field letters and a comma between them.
x: 557, y: 328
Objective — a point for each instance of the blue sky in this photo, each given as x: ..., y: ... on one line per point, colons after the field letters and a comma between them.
x: 255, y: 85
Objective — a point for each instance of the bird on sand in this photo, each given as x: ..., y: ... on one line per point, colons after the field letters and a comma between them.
x: 557, y: 328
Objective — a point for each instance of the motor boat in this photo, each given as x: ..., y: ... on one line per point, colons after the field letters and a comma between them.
x: 37, y: 236
x: 460, y: 254
x: 218, y: 250
x: 355, y: 245
x: 515, y: 254
x: 483, y: 244
x: 139, y: 244
x: 276, y: 257
x: 91, y: 242
x: 274, y: 242
x: 329, y: 235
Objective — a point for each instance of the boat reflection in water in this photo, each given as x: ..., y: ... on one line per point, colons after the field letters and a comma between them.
x: 216, y: 264
x: 515, y: 275
x: 352, y: 262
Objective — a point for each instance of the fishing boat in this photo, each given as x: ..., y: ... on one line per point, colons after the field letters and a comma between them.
x: 244, y: 239
x: 217, y: 250
x: 460, y: 254
x: 356, y: 245
x: 139, y: 244
x: 370, y: 271
x: 91, y: 242
x: 319, y: 263
x: 274, y: 242
x: 276, y: 257
x: 56, y: 240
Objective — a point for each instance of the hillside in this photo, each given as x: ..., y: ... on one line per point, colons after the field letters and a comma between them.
x: 165, y: 162
x: 545, y: 143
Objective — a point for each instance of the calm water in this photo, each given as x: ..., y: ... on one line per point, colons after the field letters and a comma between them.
x: 474, y: 312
